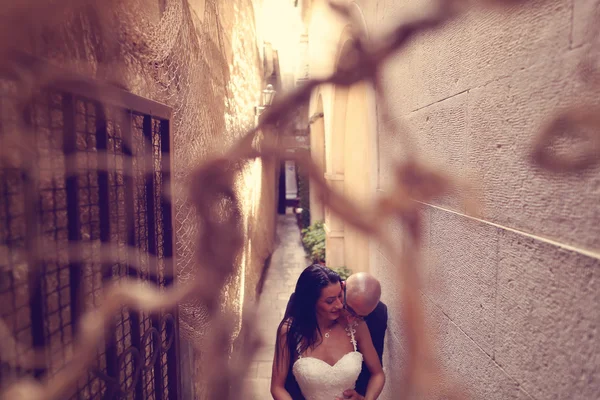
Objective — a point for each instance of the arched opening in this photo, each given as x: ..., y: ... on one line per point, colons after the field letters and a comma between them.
x: 358, y: 174
x: 351, y: 157
x: 335, y: 244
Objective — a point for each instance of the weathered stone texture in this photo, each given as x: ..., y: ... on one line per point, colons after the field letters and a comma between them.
x: 437, y: 132
x: 201, y: 58
x: 231, y: 78
x: 586, y: 14
x: 393, y: 355
x: 464, y: 272
x: 470, y: 365
x: 478, y: 47
x: 514, y: 311
x: 547, y: 319
x: 505, y: 115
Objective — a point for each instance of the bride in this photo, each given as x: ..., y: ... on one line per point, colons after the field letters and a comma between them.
x: 324, y: 350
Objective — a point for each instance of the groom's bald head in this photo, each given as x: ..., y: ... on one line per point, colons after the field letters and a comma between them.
x: 363, y: 292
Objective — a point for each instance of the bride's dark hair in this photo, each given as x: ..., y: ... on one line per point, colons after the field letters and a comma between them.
x: 300, y: 315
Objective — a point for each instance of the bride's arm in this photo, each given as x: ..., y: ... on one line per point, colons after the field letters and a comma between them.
x: 281, y: 362
x: 365, y: 346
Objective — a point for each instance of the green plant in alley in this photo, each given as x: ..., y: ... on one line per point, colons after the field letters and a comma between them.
x: 313, y: 240
x: 317, y: 253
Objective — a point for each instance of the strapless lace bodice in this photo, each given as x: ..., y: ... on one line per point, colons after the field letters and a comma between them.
x: 321, y: 381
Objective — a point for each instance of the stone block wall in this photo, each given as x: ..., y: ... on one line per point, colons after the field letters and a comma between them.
x: 202, y: 59
x: 512, y: 294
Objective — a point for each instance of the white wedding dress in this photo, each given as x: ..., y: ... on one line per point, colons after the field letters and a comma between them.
x: 320, y: 381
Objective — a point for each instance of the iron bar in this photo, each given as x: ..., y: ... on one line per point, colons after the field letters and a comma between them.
x: 75, y: 119
x: 167, y: 210
x: 111, y: 353
x: 129, y: 183
x: 148, y: 158
x: 73, y: 225
x: 32, y: 231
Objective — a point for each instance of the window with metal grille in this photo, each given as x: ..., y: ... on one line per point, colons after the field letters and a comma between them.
x: 91, y: 176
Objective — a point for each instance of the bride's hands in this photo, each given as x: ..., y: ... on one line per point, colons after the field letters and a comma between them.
x: 350, y: 394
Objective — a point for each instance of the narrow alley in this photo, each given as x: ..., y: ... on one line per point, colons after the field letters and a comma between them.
x: 149, y: 149
x: 288, y: 262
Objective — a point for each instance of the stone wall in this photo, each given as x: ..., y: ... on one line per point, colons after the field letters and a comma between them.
x: 202, y: 59
x: 512, y: 294
x: 229, y: 28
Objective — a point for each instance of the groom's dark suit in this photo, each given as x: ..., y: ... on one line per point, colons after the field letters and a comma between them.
x: 377, y: 324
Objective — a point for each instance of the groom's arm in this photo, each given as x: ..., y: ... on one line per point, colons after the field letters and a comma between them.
x: 377, y: 323
x: 371, y: 359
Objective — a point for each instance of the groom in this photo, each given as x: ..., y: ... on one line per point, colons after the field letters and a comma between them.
x: 362, y: 292
x: 361, y: 301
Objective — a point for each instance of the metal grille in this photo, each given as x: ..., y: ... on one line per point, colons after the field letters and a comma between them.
x: 42, y: 302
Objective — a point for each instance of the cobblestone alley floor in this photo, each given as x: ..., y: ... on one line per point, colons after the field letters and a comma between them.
x: 287, y: 263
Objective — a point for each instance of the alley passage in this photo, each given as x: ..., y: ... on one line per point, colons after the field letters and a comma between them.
x: 287, y: 263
